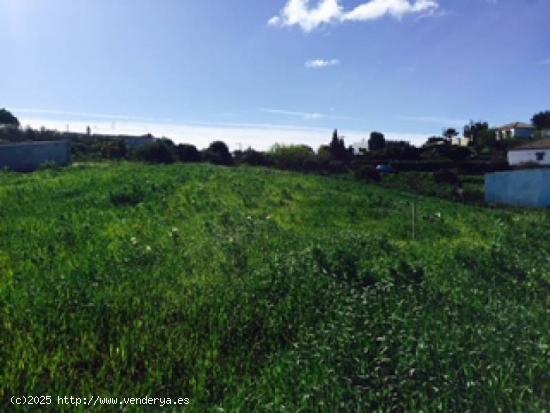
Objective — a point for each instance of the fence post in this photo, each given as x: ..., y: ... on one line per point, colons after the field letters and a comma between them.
x: 413, y: 220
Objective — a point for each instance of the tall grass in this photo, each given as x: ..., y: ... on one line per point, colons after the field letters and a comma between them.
x: 256, y: 290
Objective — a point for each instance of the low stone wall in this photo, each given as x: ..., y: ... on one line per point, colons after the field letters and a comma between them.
x: 29, y: 156
x: 526, y: 188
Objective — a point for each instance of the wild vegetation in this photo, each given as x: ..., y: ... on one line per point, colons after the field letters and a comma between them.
x: 250, y: 289
x: 484, y: 154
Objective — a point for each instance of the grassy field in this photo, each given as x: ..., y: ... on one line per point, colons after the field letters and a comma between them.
x: 424, y: 184
x: 258, y: 290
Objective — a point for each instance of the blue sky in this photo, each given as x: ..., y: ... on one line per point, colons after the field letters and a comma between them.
x: 256, y: 72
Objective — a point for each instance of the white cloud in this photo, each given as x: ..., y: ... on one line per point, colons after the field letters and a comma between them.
x: 201, y: 134
x: 304, y: 115
x: 321, y: 63
x: 300, y: 13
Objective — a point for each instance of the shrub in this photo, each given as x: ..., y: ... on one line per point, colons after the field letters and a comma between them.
x: 218, y: 154
x: 157, y: 152
x: 368, y: 174
x: 255, y: 158
x: 529, y: 165
x: 422, y: 166
x: 313, y: 165
x: 188, y: 153
x: 337, y: 167
x: 293, y: 157
x: 114, y: 150
x: 445, y: 176
x: 482, y: 167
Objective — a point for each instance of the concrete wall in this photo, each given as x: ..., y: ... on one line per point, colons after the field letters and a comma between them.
x: 528, y: 188
x: 523, y: 156
x: 29, y: 156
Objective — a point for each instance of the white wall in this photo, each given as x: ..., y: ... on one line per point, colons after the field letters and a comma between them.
x: 524, y: 156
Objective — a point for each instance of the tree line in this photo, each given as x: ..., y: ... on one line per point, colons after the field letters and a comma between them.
x: 485, y: 153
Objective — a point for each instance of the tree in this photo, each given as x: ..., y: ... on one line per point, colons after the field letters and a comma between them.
x: 218, y: 153
x: 450, y: 133
x: 6, y: 118
x: 337, y: 148
x: 115, y: 150
x: 157, y: 152
x: 188, y: 153
x: 377, y: 141
x: 541, y: 120
x: 255, y: 158
x: 476, y: 130
x: 293, y: 157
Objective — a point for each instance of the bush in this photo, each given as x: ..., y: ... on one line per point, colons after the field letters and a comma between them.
x: 188, y: 153
x: 293, y: 157
x: 337, y: 167
x: 157, y: 152
x: 483, y: 167
x: 313, y: 165
x: 368, y: 174
x: 422, y: 166
x: 445, y: 176
x: 218, y: 154
x: 529, y: 165
x: 114, y: 150
x: 255, y: 158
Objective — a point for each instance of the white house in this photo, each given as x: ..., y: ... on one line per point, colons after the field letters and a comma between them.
x: 537, y: 151
x: 461, y: 141
x: 515, y: 130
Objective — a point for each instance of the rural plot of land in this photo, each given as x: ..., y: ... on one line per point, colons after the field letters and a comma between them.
x: 248, y: 289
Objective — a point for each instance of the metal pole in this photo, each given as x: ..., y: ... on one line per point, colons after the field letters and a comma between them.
x: 414, y: 219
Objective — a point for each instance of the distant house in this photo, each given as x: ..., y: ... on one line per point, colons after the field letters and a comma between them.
x: 134, y: 142
x: 29, y: 156
x: 537, y: 151
x: 360, y: 147
x: 461, y: 141
x: 516, y: 130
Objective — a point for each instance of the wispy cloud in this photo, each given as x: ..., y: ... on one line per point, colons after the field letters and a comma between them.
x: 306, y: 115
x: 201, y: 133
x: 321, y: 63
x: 545, y: 62
x: 236, y: 135
x: 88, y: 115
x: 303, y: 115
x: 300, y: 13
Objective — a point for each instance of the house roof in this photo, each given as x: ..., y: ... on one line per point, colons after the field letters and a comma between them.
x: 516, y: 125
x: 536, y: 144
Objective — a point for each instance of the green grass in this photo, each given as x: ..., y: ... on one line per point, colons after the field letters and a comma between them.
x: 424, y: 183
x: 257, y: 290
